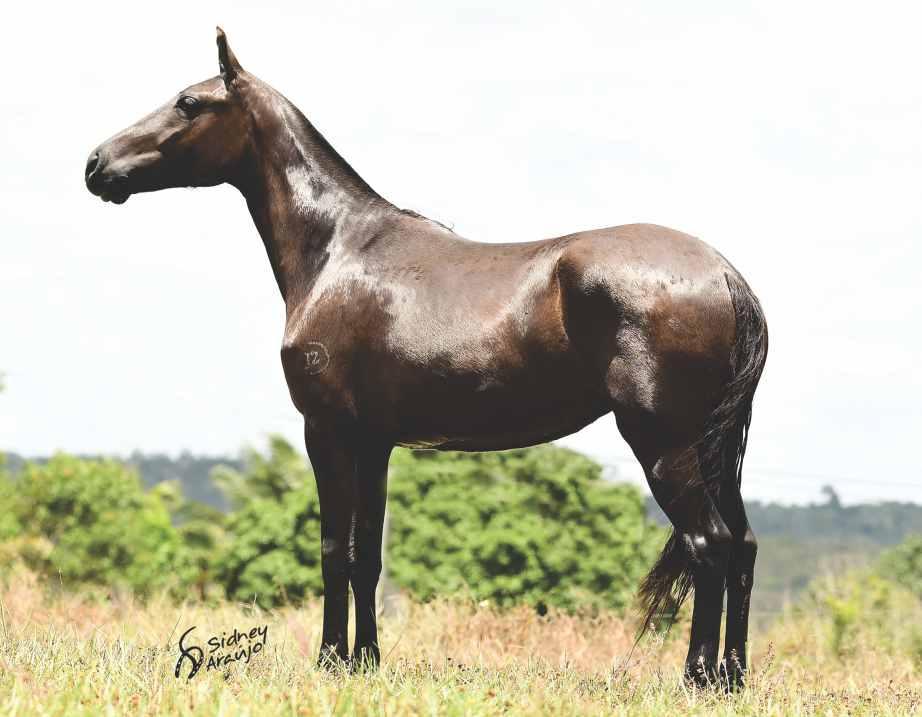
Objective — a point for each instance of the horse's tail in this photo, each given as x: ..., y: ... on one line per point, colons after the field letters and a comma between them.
x: 720, y: 450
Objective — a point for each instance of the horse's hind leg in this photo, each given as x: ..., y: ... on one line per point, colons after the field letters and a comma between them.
x: 699, y: 549
x: 707, y: 541
x: 739, y: 585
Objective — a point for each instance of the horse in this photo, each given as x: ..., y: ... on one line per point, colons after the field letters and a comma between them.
x: 400, y: 332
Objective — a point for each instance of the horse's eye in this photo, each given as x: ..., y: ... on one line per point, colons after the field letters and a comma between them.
x: 187, y: 104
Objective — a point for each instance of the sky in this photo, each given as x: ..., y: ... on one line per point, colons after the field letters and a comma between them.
x: 788, y: 135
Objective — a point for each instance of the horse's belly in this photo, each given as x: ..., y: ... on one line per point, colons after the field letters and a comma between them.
x: 496, y: 416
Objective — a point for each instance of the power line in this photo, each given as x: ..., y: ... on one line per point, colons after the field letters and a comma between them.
x: 798, y: 475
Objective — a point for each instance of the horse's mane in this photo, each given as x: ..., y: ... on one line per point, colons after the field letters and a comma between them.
x: 417, y: 215
x: 312, y: 137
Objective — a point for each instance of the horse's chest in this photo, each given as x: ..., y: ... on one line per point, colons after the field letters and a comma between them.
x: 314, y: 360
x: 317, y: 376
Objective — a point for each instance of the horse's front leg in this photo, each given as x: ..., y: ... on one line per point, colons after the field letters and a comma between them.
x: 333, y: 459
x: 370, y: 499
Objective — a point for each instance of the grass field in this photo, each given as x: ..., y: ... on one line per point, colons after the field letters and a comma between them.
x: 69, y: 655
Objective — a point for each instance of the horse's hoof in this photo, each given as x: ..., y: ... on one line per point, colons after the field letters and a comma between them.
x: 366, y: 659
x: 732, y: 675
x: 701, y: 676
x: 333, y: 659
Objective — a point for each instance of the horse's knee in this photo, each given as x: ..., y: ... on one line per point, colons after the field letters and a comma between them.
x: 334, y: 561
x: 744, y: 560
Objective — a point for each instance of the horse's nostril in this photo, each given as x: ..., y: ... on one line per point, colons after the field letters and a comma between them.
x: 91, y: 165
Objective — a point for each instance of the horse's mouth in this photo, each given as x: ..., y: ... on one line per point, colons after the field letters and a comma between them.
x: 113, y: 190
x: 115, y: 196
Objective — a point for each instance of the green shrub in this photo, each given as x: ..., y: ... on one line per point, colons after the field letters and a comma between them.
x: 860, y: 608
x: 272, y: 552
x: 537, y: 525
x: 10, y: 511
x: 85, y: 521
x: 903, y: 564
x: 201, y: 529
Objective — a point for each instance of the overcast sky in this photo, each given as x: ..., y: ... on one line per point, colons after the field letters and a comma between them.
x: 786, y: 134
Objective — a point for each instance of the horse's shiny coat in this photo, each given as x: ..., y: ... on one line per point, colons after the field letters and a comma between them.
x: 400, y: 332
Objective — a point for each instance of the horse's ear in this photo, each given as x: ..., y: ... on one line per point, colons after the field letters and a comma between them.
x: 227, y: 61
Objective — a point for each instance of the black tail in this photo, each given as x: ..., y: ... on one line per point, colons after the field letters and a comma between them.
x: 720, y: 450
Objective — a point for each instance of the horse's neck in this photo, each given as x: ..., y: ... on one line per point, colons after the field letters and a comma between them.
x: 300, y: 226
x: 305, y: 201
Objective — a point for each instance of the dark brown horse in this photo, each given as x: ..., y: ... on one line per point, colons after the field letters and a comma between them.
x: 400, y: 332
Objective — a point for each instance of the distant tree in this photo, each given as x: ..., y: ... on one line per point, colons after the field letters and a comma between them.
x: 832, y: 497
x: 10, y: 512
x: 191, y: 472
x: 903, y: 564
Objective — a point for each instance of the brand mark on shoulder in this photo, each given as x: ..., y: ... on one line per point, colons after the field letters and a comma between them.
x: 316, y: 358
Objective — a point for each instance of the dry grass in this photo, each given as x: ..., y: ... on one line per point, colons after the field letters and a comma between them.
x: 65, y: 655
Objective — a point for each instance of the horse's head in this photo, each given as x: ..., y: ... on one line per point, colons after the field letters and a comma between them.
x: 197, y: 139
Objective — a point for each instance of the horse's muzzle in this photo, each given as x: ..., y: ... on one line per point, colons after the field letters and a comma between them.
x: 106, y: 187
